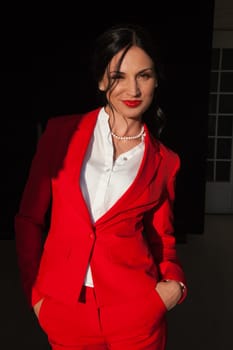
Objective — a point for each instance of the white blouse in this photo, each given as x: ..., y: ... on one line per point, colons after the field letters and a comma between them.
x: 103, y: 180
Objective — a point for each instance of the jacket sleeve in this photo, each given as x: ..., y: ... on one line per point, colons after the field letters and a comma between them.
x: 31, y: 216
x: 159, y: 225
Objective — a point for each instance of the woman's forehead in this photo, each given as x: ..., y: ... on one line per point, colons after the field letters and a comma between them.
x: 135, y: 57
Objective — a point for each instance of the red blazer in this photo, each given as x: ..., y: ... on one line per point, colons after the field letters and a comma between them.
x: 130, y: 247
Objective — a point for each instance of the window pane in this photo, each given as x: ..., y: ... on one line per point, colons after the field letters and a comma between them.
x: 211, y: 125
x: 224, y: 148
x: 223, y: 170
x: 225, y: 126
x: 226, y: 104
x: 227, y: 82
x: 227, y: 59
x: 210, y: 171
x: 210, y: 150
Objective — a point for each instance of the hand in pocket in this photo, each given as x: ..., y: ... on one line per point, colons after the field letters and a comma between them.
x: 170, y: 292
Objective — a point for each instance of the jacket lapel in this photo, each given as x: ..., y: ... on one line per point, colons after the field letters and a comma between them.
x: 146, y: 172
x: 70, y: 176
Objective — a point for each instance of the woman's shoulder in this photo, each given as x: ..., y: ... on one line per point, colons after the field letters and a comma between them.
x: 167, y: 150
x: 69, y: 121
x: 171, y: 156
x: 62, y: 120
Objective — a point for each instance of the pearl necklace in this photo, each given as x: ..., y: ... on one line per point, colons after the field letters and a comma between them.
x: 129, y: 138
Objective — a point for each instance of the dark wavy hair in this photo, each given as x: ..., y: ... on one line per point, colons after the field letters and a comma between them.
x: 123, y: 37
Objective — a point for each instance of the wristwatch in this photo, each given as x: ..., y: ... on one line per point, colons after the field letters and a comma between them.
x: 182, y: 286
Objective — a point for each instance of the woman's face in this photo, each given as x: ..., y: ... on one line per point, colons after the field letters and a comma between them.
x: 133, y: 83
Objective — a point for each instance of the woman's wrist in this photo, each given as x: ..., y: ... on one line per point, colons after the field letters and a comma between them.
x: 182, y: 287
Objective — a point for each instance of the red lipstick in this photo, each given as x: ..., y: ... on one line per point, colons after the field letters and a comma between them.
x: 132, y: 103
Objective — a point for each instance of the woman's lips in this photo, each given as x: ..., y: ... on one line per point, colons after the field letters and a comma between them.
x: 132, y: 104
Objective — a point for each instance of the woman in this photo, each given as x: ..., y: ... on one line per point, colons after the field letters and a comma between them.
x: 108, y: 271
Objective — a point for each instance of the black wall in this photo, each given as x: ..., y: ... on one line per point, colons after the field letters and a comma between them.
x: 44, y: 74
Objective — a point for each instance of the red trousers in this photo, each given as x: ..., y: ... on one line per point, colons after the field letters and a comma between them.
x: 136, y: 325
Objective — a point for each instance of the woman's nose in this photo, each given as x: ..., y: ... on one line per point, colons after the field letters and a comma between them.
x: 134, y: 88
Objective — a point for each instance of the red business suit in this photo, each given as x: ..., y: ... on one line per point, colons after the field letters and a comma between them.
x: 123, y: 267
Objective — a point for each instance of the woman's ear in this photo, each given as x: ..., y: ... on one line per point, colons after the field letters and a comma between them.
x: 101, y: 85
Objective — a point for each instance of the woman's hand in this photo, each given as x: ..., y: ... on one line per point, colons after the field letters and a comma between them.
x: 37, y: 307
x: 170, y: 292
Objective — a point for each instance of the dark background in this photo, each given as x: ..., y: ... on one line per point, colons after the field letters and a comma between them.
x: 44, y: 73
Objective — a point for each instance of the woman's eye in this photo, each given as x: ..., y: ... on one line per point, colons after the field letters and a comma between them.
x: 116, y: 77
x: 145, y: 76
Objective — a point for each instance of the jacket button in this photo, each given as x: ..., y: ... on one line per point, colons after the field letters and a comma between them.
x: 91, y: 235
